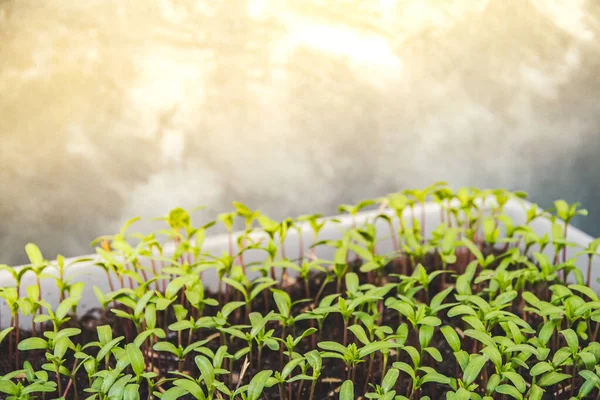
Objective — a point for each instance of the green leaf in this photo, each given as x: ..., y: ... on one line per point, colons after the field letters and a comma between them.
x: 66, y: 306
x: 34, y: 254
x: 552, y: 378
x: 289, y: 367
x: 425, y: 335
x: 231, y: 307
x: 571, y: 339
x: 404, y: 367
x: 136, y: 358
x: 480, y: 336
x: 509, y: 390
x: 257, y: 384
x: 584, y: 290
x: 108, y: 347
x: 360, y: 333
x: 314, y: 359
x: 206, y: 369
x: 8, y: 387
x: 5, y: 332
x: 32, y: 343
x: 536, y: 393
x: 347, y: 391
x: 332, y: 346
x: 438, y: 299
x: 361, y: 251
x: 451, y: 337
x: 191, y: 387
x: 117, y: 388
x: 132, y: 392
x: 517, y: 380
x: 540, y: 368
x: 390, y: 380
x: 461, y: 310
x: 376, y: 346
x: 283, y: 302
x: 474, y: 368
x: 166, y: 346
x: 524, y: 348
x: 174, y: 393
x: 352, y: 282
x: 436, y: 377
x: 434, y: 353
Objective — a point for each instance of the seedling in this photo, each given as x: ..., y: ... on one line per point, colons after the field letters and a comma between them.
x: 510, y: 317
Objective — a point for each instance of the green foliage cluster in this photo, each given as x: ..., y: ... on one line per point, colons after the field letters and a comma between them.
x: 479, y: 308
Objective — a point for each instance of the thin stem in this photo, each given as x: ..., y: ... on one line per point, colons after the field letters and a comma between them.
x: 250, y: 360
x: 10, y: 339
x: 589, y: 270
x: 259, y: 357
x: 367, y: 380
x: 281, y: 392
x: 18, y: 329
x: 71, y: 382
x: 281, y: 348
x: 58, y: 382
x: 312, y: 390
x: 345, y: 332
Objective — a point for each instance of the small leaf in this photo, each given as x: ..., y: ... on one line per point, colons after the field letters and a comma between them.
x: 571, y: 339
x: 516, y: 380
x: 461, y: 310
x: 451, y: 337
x: 347, y: 391
x: 190, y: 387
x: 360, y: 333
x: 434, y: 353
x: 257, y: 384
x: 536, y: 393
x: 32, y: 343
x: 5, y: 332
x: 136, y: 358
x: 474, y: 368
x: 132, y: 392
x: 390, y: 379
x: 552, y: 378
x: 34, y: 254
x: 509, y: 390
x: 314, y: 359
x: 540, y: 368
x: 585, y: 290
x: 206, y: 369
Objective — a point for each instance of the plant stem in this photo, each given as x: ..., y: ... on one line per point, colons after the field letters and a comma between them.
x: 371, y: 357
x: 312, y: 390
x: 281, y: 393
x: 10, y: 339
x: 345, y: 332
x: 281, y: 348
x: 18, y: 329
x: 72, y: 382
x: 589, y: 271
x: 250, y: 360
x: 58, y: 382
x: 258, y: 365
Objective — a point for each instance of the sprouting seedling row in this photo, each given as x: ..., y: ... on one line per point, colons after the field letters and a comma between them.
x: 462, y: 312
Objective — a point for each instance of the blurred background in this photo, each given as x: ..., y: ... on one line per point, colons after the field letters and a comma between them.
x: 115, y: 108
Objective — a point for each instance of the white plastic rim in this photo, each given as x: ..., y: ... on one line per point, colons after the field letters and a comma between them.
x: 91, y: 275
